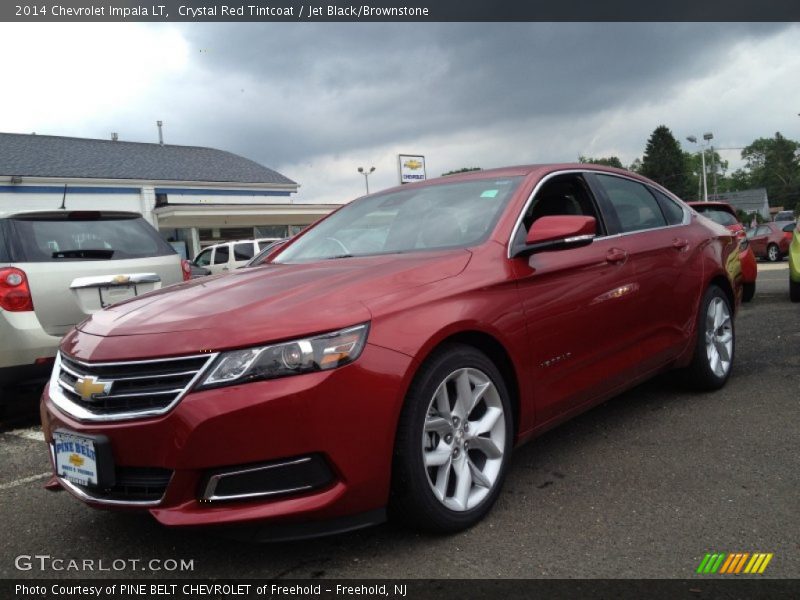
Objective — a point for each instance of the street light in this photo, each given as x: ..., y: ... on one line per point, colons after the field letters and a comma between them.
x: 693, y: 139
x: 366, y: 175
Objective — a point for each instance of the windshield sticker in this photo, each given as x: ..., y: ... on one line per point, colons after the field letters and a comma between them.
x: 489, y: 194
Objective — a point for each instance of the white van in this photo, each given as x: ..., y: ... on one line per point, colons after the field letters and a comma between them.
x: 220, y: 258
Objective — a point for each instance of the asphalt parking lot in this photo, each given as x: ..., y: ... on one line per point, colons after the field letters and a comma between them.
x: 639, y: 487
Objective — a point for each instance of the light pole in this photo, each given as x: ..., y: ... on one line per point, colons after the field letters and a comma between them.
x: 693, y: 139
x: 366, y: 175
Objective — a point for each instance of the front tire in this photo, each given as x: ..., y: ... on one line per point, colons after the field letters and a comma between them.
x: 773, y: 253
x: 715, y: 344
x: 453, y: 442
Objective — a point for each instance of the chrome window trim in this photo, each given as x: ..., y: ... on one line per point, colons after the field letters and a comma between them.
x: 209, y: 494
x: 686, y: 209
x: 71, y: 409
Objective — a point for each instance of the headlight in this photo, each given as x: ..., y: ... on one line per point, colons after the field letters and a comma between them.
x: 318, y: 353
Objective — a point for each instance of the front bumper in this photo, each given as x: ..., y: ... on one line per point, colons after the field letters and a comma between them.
x: 346, y: 416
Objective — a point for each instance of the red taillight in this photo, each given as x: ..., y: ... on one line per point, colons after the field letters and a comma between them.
x: 186, y: 267
x: 15, y: 295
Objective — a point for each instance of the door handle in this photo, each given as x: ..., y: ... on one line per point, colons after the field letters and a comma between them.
x: 680, y: 244
x: 616, y: 256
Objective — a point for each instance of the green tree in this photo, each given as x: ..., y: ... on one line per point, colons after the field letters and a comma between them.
x: 609, y: 161
x: 464, y: 170
x: 773, y: 163
x: 664, y: 162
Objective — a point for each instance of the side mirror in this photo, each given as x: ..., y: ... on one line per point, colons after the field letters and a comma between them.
x: 558, y: 233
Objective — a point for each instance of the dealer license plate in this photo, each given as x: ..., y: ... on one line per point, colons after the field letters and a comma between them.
x: 75, y: 456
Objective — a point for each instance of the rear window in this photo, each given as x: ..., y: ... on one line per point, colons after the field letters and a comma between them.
x: 789, y: 228
x: 718, y: 215
x: 90, y: 237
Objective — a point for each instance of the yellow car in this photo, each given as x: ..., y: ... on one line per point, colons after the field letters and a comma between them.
x: 794, y: 265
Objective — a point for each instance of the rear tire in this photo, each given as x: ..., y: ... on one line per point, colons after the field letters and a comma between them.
x: 453, y: 444
x: 748, y: 291
x: 715, y: 344
x: 794, y: 291
x: 773, y: 253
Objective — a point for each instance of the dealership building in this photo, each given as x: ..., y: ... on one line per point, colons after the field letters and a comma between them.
x: 194, y: 196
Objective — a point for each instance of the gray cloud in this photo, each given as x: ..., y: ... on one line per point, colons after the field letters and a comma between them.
x: 324, y: 88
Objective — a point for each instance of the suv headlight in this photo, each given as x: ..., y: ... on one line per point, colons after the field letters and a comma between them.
x: 319, y: 353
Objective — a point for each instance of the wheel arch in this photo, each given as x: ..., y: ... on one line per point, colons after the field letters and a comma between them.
x: 496, y: 351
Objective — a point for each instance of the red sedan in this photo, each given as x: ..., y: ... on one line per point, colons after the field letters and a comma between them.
x: 724, y: 214
x: 390, y: 357
x: 771, y: 240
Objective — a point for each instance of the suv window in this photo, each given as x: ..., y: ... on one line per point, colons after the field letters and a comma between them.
x: 85, y: 236
x: 243, y: 251
x: 204, y: 258
x: 221, y: 255
x: 789, y: 228
x: 635, y: 206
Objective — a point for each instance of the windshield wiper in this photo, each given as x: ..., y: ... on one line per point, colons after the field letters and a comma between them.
x: 101, y: 254
x: 339, y: 256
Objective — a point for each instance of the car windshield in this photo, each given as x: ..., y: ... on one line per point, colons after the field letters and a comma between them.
x: 418, y: 217
x: 718, y: 215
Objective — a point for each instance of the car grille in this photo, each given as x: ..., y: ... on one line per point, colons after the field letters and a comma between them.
x: 133, y: 484
x: 115, y: 391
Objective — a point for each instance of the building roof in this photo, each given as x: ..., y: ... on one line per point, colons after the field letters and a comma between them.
x: 34, y: 155
x: 749, y: 201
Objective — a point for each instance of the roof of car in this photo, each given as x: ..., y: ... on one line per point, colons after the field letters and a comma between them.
x: 24, y: 155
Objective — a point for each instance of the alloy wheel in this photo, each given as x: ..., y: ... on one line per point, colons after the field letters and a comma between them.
x: 719, y: 337
x: 463, y: 439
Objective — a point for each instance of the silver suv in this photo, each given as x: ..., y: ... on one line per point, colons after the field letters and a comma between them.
x: 58, y: 267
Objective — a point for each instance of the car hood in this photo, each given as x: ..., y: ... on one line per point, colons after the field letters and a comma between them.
x: 273, y: 302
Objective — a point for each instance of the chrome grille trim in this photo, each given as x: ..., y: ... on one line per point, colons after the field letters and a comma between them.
x: 64, y: 395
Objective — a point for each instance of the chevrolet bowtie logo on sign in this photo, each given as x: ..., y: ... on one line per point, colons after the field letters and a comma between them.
x: 734, y: 563
x: 89, y: 387
x: 120, y: 279
x: 412, y: 164
x: 76, y: 460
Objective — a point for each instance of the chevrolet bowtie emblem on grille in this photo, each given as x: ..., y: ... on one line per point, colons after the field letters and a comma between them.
x: 90, y: 387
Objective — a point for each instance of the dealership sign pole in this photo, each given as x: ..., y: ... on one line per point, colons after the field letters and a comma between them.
x: 411, y: 167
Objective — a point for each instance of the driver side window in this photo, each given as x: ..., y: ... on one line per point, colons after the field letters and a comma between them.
x: 204, y: 258
x: 562, y: 195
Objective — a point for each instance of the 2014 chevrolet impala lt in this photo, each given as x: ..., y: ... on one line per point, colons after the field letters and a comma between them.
x: 387, y: 360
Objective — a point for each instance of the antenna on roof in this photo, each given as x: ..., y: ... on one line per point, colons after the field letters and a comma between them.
x: 160, y: 132
x: 64, y: 199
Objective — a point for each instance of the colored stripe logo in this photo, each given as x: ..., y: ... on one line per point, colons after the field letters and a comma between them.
x: 734, y: 563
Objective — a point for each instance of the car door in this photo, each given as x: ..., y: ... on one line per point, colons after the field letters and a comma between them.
x: 759, y: 239
x: 662, y: 248
x: 222, y: 255
x: 577, y: 305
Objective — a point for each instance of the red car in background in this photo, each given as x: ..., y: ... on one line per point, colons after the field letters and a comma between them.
x: 724, y: 214
x: 771, y: 240
x: 393, y: 354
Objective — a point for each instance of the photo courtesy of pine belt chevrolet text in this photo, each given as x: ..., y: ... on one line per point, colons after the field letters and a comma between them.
x: 385, y: 362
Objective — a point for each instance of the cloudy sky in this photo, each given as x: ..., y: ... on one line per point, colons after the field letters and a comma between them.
x: 317, y: 100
